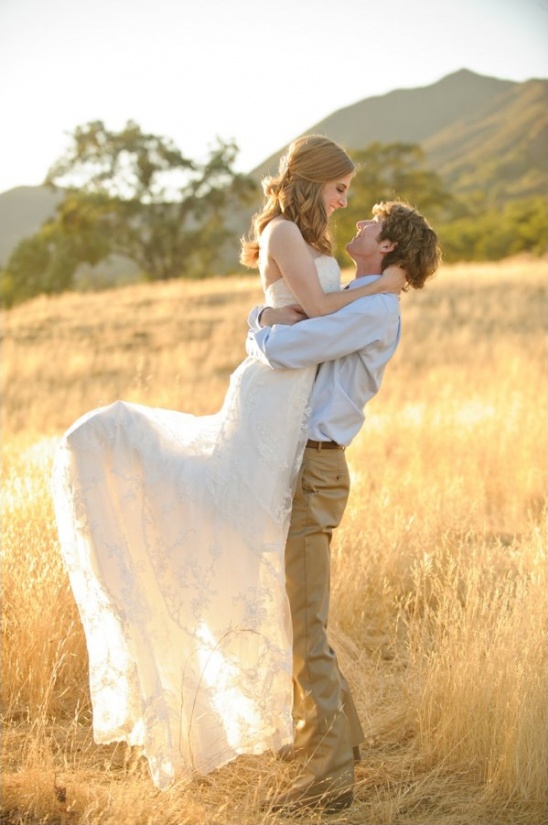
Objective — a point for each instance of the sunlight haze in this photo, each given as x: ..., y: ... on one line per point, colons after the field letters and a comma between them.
x: 256, y: 72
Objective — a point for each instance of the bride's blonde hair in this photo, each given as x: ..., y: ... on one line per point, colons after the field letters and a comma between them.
x: 296, y: 193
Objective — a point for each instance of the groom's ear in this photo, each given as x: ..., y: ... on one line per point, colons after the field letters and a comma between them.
x: 387, y: 246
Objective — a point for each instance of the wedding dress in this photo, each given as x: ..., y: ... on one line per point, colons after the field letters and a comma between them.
x: 172, y: 529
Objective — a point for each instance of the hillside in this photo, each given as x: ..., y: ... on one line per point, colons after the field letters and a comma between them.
x: 22, y: 212
x: 503, y: 148
x: 475, y: 130
x: 477, y: 133
x: 409, y: 115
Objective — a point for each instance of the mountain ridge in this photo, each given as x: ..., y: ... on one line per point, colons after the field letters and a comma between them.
x: 442, y: 115
x: 386, y: 111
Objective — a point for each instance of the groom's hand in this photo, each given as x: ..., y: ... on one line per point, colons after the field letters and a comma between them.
x: 287, y: 315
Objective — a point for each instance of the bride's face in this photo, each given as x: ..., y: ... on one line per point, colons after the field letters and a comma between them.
x: 335, y: 194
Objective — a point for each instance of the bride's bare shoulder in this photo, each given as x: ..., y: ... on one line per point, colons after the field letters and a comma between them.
x: 280, y: 230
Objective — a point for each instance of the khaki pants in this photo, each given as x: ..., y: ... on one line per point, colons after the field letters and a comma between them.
x: 326, y: 722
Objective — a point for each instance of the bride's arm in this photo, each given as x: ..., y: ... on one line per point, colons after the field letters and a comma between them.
x: 285, y: 245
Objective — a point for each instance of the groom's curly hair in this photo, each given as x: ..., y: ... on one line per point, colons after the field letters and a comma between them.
x: 417, y: 249
x: 296, y: 193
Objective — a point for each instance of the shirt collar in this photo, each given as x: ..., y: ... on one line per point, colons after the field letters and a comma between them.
x: 362, y: 280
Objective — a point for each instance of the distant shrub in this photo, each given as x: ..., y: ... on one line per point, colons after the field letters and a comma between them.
x: 519, y: 226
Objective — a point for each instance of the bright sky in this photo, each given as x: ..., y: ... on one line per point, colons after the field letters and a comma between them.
x: 259, y: 72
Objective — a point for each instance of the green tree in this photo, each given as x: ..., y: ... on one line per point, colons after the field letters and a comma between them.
x: 46, y: 262
x: 134, y: 194
x: 392, y: 171
x: 27, y: 272
x: 492, y: 234
x: 160, y: 209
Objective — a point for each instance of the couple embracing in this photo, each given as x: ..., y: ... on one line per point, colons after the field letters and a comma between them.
x: 198, y: 547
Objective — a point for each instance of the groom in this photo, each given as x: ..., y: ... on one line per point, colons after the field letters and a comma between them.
x: 352, y: 347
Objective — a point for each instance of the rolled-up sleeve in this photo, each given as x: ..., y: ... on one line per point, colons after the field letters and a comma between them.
x: 253, y: 317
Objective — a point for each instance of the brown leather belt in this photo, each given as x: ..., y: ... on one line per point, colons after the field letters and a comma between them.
x: 324, y: 445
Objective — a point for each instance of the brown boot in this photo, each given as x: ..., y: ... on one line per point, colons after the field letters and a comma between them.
x: 306, y: 791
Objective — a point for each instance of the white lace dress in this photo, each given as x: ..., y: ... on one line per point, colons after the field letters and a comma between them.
x: 172, y: 529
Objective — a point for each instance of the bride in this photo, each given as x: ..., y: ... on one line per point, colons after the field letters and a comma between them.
x: 172, y: 527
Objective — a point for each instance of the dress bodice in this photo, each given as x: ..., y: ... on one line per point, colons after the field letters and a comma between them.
x: 278, y: 293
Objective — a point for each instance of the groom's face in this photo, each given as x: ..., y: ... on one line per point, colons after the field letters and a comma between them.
x: 365, y: 243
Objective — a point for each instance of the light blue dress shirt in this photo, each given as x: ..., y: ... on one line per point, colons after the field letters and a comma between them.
x: 352, y: 347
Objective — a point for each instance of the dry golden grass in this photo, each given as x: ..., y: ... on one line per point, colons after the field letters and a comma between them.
x: 439, y: 577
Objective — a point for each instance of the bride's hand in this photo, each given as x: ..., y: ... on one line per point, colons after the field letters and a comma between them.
x: 393, y: 279
x: 288, y: 315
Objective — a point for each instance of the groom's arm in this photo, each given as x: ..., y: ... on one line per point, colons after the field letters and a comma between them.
x: 365, y: 322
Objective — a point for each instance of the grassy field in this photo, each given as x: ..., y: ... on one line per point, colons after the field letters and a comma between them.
x: 439, y: 568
